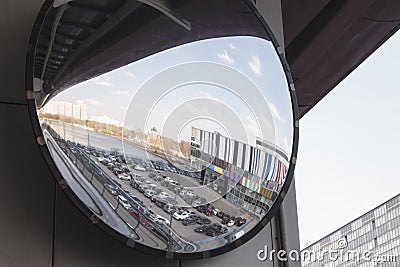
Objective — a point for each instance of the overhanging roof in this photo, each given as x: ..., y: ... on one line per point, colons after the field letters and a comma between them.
x: 325, y: 40
x: 333, y: 40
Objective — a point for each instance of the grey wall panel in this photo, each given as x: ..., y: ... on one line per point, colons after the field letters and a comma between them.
x: 290, y: 231
x: 16, y: 22
x: 80, y: 243
x: 26, y: 193
x: 245, y: 255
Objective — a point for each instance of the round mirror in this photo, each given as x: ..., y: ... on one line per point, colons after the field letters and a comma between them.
x: 171, y: 124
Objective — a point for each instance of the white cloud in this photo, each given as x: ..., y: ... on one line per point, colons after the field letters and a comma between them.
x: 130, y: 74
x: 102, y: 80
x: 232, y: 46
x: 224, y: 56
x: 255, y: 65
x: 275, y: 112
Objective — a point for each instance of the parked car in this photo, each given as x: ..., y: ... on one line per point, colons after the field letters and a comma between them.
x: 190, y: 212
x: 230, y: 223
x: 239, y: 221
x: 211, y: 232
x: 112, y: 189
x: 203, y: 220
x: 124, y: 176
x: 220, y: 214
x: 188, y: 221
x: 124, y: 202
x: 202, y: 229
x: 162, y: 220
x: 139, y: 168
x: 169, y: 208
x: 180, y: 215
x: 198, y: 202
x: 163, y: 195
x: 149, y: 193
x: 143, y: 188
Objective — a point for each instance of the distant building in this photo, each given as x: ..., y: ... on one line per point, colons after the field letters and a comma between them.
x: 370, y: 240
x: 107, y: 120
x: 67, y: 109
x: 153, y: 139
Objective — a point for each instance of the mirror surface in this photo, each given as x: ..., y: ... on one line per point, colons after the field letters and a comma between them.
x: 181, y: 146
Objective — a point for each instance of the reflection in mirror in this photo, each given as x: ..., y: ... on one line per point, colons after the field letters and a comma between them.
x: 186, y: 148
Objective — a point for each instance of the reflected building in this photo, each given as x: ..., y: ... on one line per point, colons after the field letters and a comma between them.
x: 370, y: 240
x: 250, y: 177
x: 66, y: 109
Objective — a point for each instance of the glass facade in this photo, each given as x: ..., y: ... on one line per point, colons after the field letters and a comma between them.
x: 250, y: 177
x: 371, y: 240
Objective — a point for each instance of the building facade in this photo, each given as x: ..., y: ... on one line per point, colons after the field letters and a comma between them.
x: 248, y: 176
x: 371, y: 240
x: 67, y: 109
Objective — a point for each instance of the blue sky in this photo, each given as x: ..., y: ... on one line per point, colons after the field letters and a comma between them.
x: 250, y: 80
x: 349, y: 147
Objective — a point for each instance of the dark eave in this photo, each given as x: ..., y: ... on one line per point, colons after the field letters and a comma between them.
x: 337, y: 40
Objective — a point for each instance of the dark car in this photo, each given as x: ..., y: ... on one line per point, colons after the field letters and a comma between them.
x: 202, y: 229
x: 201, y: 208
x: 220, y: 214
x: 226, y: 216
x: 239, y: 221
x: 216, y: 226
x: 203, y: 220
x: 188, y: 221
x: 213, y: 233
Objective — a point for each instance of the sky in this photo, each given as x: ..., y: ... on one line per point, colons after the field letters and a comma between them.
x: 235, y: 81
x: 349, y: 147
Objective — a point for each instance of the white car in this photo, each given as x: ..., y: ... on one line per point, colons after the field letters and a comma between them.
x: 230, y: 223
x: 163, y: 195
x: 100, y: 159
x: 149, y: 192
x: 168, y: 179
x: 190, y: 212
x: 124, y: 202
x: 124, y: 176
x: 140, y: 168
x: 181, y: 215
x: 136, y: 175
x: 162, y: 220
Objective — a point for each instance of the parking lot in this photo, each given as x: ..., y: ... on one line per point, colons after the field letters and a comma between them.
x: 186, y: 232
x: 141, y: 214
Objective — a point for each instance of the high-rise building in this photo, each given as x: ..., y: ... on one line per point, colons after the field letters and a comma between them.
x: 373, y: 239
x: 67, y: 109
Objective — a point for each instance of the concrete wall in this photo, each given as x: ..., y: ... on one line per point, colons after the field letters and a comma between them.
x: 39, y: 226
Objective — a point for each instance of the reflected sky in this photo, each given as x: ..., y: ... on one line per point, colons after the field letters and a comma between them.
x: 111, y: 94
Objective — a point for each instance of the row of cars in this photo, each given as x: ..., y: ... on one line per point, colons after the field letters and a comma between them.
x: 188, y: 216
x: 226, y: 219
x: 169, y: 204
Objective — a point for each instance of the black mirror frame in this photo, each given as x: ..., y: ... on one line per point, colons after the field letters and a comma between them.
x: 37, y: 131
